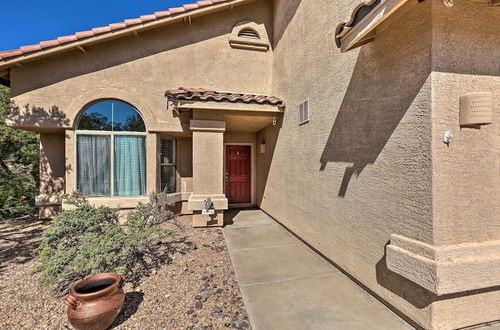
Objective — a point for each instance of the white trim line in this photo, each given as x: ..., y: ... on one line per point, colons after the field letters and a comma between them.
x: 111, y: 135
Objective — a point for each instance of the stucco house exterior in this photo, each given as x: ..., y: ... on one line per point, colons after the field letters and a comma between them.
x: 369, y: 130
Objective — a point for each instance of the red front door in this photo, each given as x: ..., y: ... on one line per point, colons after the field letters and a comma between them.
x: 238, y: 174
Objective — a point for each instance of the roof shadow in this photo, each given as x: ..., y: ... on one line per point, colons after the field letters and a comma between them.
x: 386, y: 81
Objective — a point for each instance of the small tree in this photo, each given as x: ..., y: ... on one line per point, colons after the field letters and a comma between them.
x: 19, y: 180
x: 90, y: 240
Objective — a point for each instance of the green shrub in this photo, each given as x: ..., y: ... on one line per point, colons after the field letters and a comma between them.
x: 19, y: 174
x: 90, y: 240
x: 17, y: 192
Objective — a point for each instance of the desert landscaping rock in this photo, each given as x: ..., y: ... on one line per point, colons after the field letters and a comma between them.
x: 162, y: 301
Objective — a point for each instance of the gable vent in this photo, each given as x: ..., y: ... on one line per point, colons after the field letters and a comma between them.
x: 248, y: 33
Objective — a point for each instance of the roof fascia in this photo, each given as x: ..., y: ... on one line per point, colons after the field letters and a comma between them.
x: 132, y: 30
x: 228, y: 106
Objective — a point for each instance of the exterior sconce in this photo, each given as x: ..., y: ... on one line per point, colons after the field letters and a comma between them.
x: 262, y: 148
x: 447, y: 136
x: 476, y: 109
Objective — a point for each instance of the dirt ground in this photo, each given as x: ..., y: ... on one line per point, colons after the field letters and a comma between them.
x: 196, y: 290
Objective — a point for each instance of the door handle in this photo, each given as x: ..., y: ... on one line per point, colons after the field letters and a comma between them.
x: 226, y: 177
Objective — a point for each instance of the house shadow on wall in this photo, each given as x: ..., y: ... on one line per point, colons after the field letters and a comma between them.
x: 381, y: 90
x: 51, y: 120
x: 36, y: 116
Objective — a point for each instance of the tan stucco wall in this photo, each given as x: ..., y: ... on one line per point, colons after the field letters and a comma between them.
x: 365, y: 167
x: 52, y: 173
x: 140, y: 69
x: 367, y: 181
x: 51, y: 164
x: 266, y: 136
x: 466, y: 175
x: 51, y: 93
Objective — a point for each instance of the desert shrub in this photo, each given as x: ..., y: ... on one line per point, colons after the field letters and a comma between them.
x: 89, y: 240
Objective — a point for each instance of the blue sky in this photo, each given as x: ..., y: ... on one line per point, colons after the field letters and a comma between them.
x: 29, y: 22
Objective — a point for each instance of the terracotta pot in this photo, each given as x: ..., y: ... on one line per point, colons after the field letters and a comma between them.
x: 95, y: 302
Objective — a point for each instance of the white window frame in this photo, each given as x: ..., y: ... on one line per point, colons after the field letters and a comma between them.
x: 112, y: 135
x: 174, y: 164
x: 304, y: 120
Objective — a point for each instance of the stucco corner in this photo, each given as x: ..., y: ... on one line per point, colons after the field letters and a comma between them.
x: 445, y: 269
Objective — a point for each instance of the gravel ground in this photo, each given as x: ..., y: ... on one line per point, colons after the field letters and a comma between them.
x: 197, y: 290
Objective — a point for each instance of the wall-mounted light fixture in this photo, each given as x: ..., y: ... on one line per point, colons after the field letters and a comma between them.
x: 262, y: 148
x: 447, y: 137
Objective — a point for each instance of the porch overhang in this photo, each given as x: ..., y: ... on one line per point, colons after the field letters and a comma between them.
x: 190, y: 105
x: 362, y: 26
x: 370, y: 18
x: 185, y: 99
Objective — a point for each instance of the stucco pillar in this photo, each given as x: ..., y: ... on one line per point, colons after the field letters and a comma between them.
x: 52, y: 149
x: 151, y: 163
x: 208, y: 167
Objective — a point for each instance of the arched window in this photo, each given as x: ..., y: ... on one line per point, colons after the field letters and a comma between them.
x: 111, y: 150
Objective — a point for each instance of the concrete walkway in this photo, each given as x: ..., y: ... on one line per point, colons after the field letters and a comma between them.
x: 286, y: 285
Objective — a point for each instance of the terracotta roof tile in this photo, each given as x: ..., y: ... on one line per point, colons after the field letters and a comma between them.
x: 204, y: 3
x: 111, y: 27
x: 30, y: 48
x: 49, y: 43
x: 9, y: 53
x: 176, y: 10
x: 147, y: 18
x: 191, y: 6
x: 116, y: 26
x: 102, y: 29
x: 133, y: 21
x: 203, y: 94
x: 67, y: 38
x: 159, y: 14
x: 84, y: 34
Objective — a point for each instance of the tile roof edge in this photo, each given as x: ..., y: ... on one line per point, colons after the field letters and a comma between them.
x: 352, y: 19
x: 110, y: 29
x: 183, y: 94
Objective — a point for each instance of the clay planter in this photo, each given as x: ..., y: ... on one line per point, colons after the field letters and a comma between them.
x: 95, y: 302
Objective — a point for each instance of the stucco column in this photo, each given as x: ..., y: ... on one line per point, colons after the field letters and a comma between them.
x: 52, y: 149
x: 208, y: 167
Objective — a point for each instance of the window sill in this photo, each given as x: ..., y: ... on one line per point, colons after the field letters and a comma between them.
x: 118, y: 202
x: 303, y: 122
